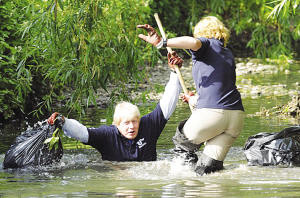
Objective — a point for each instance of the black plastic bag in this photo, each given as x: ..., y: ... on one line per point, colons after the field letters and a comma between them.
x: 270, y: 149
x: 30, y: 148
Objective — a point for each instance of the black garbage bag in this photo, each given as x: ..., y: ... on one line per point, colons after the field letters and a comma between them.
x: 31, y: 149
x: 270, y: 149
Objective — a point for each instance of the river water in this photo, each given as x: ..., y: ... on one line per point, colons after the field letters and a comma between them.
x: 81, y: 172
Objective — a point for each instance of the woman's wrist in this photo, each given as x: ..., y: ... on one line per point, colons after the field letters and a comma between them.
x: 162, y: 43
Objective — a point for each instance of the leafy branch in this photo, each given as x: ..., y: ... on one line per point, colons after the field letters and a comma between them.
x: 83, y: 46
x: 54, y: 140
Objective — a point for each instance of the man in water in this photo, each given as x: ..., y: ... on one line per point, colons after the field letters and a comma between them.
x: 130, y: 137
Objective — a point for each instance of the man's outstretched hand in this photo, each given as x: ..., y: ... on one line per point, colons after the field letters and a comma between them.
x: 56, y: 119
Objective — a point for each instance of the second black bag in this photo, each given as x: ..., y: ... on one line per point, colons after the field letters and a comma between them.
x: 270, y: 149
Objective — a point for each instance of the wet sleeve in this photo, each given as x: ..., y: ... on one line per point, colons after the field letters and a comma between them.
x: 170, y: 98
x: 74, y: 129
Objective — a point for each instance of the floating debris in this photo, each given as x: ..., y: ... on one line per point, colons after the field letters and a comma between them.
x: 291, y: 109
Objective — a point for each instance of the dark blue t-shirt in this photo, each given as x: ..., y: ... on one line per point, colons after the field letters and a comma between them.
x: 214, y: 76
x: 115, y: 147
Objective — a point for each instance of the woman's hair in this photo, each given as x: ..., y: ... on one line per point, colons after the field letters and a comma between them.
x: 125, y: 110
x: 211, y: 27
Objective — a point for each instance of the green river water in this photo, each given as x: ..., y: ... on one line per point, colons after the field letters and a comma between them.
x: 81, y: 172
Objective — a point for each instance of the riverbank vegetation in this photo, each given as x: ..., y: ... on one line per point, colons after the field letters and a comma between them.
x: 50, y: 48
x: 289, y: 110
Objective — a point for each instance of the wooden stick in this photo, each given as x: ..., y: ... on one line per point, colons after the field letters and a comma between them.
x: 162, y: 32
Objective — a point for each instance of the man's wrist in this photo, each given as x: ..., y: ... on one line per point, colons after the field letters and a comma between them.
x: 174, y: 79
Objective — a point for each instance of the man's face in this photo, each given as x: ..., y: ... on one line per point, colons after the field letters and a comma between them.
x: 129, y: 127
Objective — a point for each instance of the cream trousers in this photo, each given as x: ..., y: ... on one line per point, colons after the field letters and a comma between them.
x: 218, y: 128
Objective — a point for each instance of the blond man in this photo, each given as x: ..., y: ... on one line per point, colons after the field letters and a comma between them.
x: 130, y: 137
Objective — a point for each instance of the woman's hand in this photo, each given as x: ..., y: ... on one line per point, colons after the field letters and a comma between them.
x: 186, y: 96
x: 152, y: 36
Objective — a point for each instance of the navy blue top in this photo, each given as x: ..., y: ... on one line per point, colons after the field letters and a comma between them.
x: 115, y: 147
x: 214, y: 75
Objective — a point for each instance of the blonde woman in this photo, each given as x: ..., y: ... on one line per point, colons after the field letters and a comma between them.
x: 218, y: 117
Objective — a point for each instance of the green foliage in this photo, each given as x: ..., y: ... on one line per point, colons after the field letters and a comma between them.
x: 10, y: 45
x: 54, y: 140
x: 85, y: 45
x: 286, y: 7
x: 270, y: 28
x: 56, y: 46
x: 274, y: 34
x: 172, y: 14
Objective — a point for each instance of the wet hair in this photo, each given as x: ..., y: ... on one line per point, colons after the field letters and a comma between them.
x: 211, y: 27
x: 125, y: 110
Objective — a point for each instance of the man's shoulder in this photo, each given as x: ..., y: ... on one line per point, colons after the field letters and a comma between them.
x: 156, y: 113
x: 154, y: 120
x: 103, y: 130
